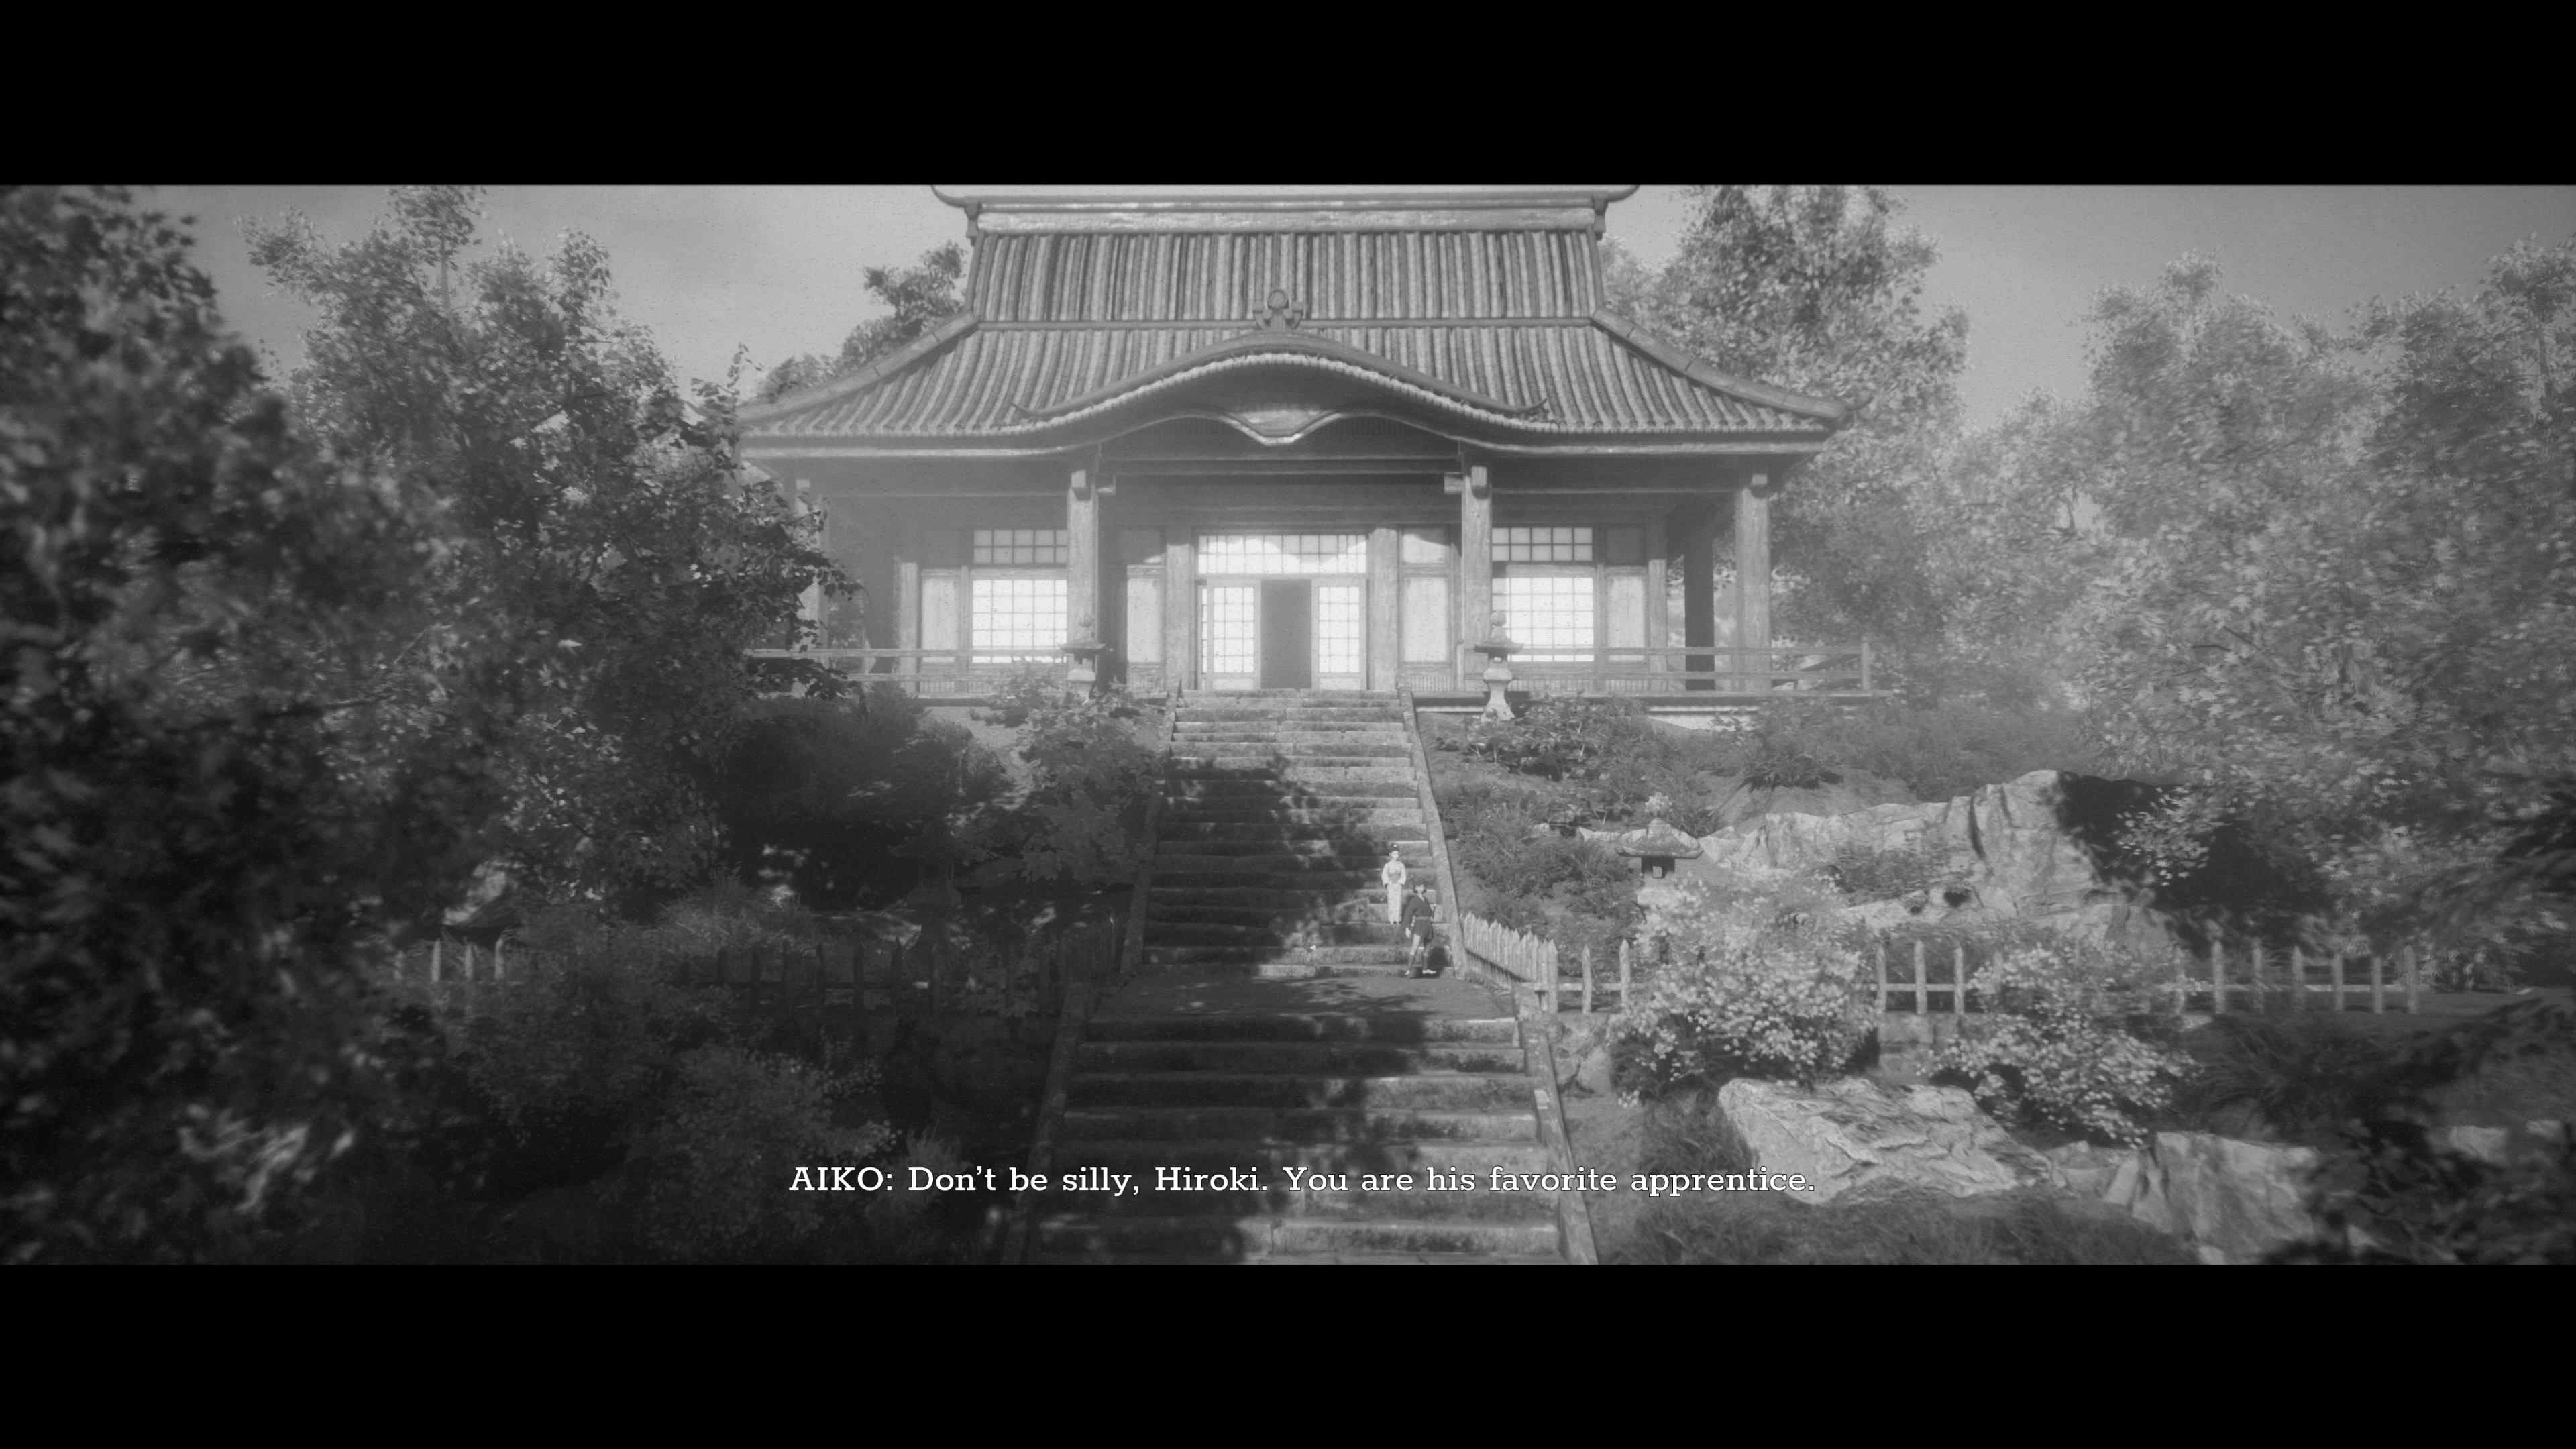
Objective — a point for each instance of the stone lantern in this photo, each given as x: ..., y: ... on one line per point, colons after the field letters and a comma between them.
x: 1498, y: 671
x: 1085, y: 650
x: 1657, y: 846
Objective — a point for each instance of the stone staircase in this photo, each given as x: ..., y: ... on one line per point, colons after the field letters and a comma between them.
x: 1273, y: 1029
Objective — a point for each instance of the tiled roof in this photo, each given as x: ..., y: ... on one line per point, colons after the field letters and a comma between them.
x: 1552, y: 378
x: 1495, y: 323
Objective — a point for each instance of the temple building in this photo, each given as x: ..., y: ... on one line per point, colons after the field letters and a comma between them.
x: 1327, y: 442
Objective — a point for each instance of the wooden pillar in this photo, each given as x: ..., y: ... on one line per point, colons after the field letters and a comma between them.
x: 1753, y: 582
x: 1697, y: 547
x: 1382, y: 608
x: 1475, y: 570
x: 907, y: 589
x: 801, y: 502
x: 1659, y: 614
x: 1180, y: 606
x: 1082, y: 554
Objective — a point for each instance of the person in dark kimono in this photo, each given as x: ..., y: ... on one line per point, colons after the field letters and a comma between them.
x: 1418, y: 931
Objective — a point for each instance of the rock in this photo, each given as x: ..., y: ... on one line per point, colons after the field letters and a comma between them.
x: 2234, y: 1201
x: 2486, y: 1144
x: 1855, y: 790
x: 1853, y: 1135
x: 2089, y: 1171
x: 2007, y: 846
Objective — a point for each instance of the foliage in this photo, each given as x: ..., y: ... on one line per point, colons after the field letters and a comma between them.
x: 2059, y: 1043
x: 1739, y: 991
x: 847, y: 804
x: 1885, y: 875
x: 730, y: 1134
x: 2339, y: 578
x: 595, y: 563
x: 191, y: 878
x: 920, y: 297
x: 1556, y: 739
x: 1082, y: 820
x: 2306, y: 1077
x: 1818, y: 289
x: 2388, y: 1192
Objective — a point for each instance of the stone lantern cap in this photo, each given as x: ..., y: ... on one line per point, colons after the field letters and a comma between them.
x: 1659, y: 840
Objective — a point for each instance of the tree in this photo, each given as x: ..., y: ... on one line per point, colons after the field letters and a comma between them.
x: 191, y: 883
x: 601, y: 562
x: 2342, y: 582
x: 920, y: 297
x: 1815, y: 288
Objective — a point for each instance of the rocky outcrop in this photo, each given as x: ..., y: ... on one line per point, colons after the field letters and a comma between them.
x: 1854, y: 1136
x: 2233, y: 1201
x: 2003, y: 851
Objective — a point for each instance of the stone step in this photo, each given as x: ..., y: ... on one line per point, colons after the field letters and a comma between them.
x: 1416, y: 853
x: 1379, y: 836
x: 1370, y: 912
x: 1303, y: 1026
x: 1227, y: 1240
x: 1339, y: 767
x: 1297, y: 732
x: 1183, y: 862
x: 1358, y: 814
x: 1346, y: 1058
x: 1278, y: 953
x: 1340, y: 1197
x: 1294, y: 795
x: 1274, y: 936
x: 1210, y: 714
x: 1289, y: 772
x: 1277, y: 1126
x: 1139, y: 1159
x: 1291, y: 898
x: 1419, y: 1092
x: 1264, y: 877
x: 1390, y: 746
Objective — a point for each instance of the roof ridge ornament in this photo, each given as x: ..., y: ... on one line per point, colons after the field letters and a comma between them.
x: 1283, y: 316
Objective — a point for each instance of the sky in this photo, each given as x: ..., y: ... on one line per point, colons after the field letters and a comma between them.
x: 776, y: 269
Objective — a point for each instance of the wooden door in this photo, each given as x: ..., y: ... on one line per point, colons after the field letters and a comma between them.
x: 1287, y: 634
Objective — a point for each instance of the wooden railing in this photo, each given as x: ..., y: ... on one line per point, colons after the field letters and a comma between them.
x: 2240, y: 978
x: 1829, y: 669
x: 933, y: 672
x: 812, y: 981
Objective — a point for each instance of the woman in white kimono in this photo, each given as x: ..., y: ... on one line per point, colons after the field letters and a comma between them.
x: 1393, y: 878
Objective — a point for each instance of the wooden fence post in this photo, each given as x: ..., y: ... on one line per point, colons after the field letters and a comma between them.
x: 1587, y: 980
x: 1624, y: 954
x: 1922, y: 978
x: 1959, y: 978
x: 2334, y: 970
x: 2378, y: 982
x: 1881, y: 957
x: 2298, y: 979
x: 2217, y: 970
x: 2414, y: 977
x: 437, y: 953
x: 2181, y: 981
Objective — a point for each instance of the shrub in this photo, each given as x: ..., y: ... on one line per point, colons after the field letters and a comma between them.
x: 2056, y: 1043
x: 1082, y: 818
x: 1881, y: 875
x: 717, y: 1159
x: 1738, y: 994
x: 2303, y: 1077
x: 1559, y: 739
x: 834, y: 797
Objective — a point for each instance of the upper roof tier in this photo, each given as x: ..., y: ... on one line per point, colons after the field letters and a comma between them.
x: 1485, y: 306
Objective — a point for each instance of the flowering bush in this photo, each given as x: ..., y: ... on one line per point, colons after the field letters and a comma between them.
x: 2055, y: 1044
x: 1744, y: 990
